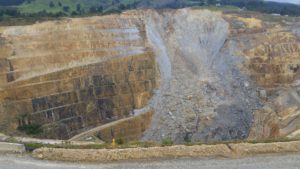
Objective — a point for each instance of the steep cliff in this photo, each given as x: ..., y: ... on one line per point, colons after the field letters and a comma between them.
x: 207, y: 76
x: 68, y: 76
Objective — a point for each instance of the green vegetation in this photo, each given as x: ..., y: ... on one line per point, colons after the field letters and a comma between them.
x: 144, y: 144
x: 11, y: 2
x: 71, y: 7
x: 269, y: 140
x: 119, y: 141
x: 32, y: 146
x: 31, y: 129
x: 225, y: 8
x: 22, y: 12
x: 167, y: 142
x: 16, y: 11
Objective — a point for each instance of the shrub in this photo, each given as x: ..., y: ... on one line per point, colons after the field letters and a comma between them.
x: 167, y: 142
x: 30, y: 147
x: 144, y: 144
x: 119, y: 141
x: 31, y: 129
x: 51, y: 4
x: 66, y: 8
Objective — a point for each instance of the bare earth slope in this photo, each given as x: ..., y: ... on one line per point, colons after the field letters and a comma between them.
x: 207, y: 76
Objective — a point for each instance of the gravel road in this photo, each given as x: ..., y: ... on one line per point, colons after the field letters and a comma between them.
x: 288, y: 161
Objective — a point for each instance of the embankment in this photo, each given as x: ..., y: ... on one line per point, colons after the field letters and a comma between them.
x: 219, y: 150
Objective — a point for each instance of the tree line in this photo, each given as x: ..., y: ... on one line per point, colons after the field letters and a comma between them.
x: 8, y: 10
x: 13, y: 2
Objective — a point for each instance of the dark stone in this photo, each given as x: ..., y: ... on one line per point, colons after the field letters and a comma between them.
x: 105, y: 107
x: 99, y: 91
x: 65, y: 112
x: 85, y: 82
x: 97, y: 80
x: 125, y: 88
x: 73, y: 124
x: 87, y: 94
x: 56, y: 131
x: 62, y: 99
x: 235, y: 122
x: 147, y: 84
x: 10, y: 77
x: 37, y: 118
x: 294, y: 68
x: 110, y: 90
x: 76, y: 84
x: 10, y: 74
x: 39, y: 104
x: 49, y: 115
x: 100, y: 80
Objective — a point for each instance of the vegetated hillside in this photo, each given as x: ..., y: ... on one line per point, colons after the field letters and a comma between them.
x: 58, y: 8
x: 74, y: 7
x: 81, y: 6
x: 11, y: 2
x: 68, y: 7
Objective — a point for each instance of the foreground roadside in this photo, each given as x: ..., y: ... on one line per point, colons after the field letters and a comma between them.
x: 279, y: 161
x: 231, y: 150
x: 56, y: 150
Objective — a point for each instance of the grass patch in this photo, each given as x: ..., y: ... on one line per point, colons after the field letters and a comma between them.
x: 136, y: 144
x: 144, y: 144
x: 226, y: 8
x: 11, y: 140
x: 32, y: 146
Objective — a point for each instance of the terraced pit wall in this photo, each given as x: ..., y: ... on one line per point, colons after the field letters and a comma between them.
x: 72, y: 75
x: 271, y: 51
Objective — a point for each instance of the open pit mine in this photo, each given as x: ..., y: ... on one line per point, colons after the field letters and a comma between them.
x: 186, y: 75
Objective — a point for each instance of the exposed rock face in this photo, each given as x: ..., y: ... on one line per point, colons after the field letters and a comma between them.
x: 201, y: 85
x: 75, y: 74
x: 208, y: 76
x: 231, y: 77
x: 271, y: 52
